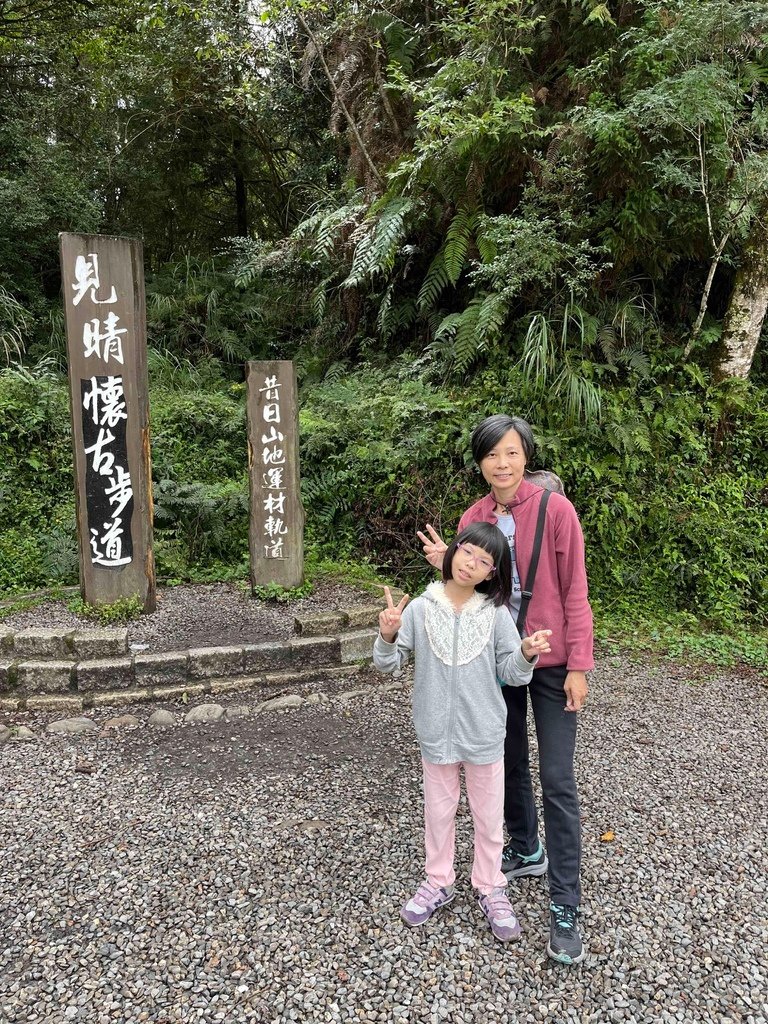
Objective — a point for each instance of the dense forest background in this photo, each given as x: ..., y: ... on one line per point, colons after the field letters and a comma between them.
x: 439, y: 210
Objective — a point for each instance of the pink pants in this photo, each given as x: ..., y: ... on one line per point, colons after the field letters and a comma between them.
x: 485, y: 790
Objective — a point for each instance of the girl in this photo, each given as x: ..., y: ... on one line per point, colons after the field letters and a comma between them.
x: 465, y: 643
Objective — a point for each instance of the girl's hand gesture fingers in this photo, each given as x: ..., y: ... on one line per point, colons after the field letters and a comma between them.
x: 390, y: 619
x: 537, y: 643
x: 434, y: 546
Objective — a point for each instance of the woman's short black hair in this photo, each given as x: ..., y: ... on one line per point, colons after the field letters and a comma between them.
x: 490, y: 539
x: 490, y: 431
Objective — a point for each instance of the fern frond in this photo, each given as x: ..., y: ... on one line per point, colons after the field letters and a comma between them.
x: 448, y: 326
x: 434, y: 283
x: 457, y: 241
x: 467, y: 343
x: 491, y: 317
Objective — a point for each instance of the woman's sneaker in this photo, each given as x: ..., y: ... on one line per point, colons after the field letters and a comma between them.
x: 501, y: 917
x: 515, y: 865
x: 565, y: 943
x: 424, y: 902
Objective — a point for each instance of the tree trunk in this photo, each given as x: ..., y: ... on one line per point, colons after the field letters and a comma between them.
x: 748, y: 303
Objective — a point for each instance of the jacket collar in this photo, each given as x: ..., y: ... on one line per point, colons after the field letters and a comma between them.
x: 525, y: 491
x: 436, y: 592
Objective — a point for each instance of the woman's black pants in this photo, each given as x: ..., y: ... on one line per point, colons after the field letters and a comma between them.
x: 556, y: 734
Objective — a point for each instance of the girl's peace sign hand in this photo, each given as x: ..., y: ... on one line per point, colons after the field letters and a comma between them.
x: 434, y: 546
x: 391, y: 618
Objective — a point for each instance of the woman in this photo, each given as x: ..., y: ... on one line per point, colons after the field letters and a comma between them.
x: 502, y: 447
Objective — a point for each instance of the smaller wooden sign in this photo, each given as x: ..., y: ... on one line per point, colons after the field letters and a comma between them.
x: 276, y: 532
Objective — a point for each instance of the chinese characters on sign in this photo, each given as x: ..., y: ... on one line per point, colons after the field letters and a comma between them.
x: 103, y: 288
x: 107, y: 481
x: 108, y: 487
x: 273, y: 463
x: 277, y: 520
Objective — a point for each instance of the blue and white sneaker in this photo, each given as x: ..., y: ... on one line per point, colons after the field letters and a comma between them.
x: 565, y: 943
x: 515, y: 865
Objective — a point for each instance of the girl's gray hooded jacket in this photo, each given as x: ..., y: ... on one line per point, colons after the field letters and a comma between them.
x: 458, y: 708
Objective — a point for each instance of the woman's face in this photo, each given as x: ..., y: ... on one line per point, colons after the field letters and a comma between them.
x: 504, y: 465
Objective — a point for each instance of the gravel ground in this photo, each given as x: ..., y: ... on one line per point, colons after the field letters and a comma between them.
x: 204, y: 615
x: 254, y: 870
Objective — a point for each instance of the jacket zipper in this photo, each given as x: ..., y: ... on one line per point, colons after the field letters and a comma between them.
x: 454, y: 670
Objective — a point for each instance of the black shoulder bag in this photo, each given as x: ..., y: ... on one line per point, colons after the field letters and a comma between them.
x: 530, y: 579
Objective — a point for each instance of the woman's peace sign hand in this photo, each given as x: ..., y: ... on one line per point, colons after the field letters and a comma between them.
x: 391, y: 618
x: 434, y: 546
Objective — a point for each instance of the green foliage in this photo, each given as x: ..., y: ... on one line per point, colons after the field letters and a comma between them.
x: 680, y: 635
x: 123, y: 610
x: 283, y: 595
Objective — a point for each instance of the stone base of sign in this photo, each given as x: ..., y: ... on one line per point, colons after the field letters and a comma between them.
x: 99, y: 671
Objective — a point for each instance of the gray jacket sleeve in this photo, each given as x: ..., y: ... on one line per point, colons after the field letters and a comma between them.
x: 512, y: 667
x: 389, y: 657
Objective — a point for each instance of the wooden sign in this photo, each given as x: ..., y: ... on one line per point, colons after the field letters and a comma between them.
x: 103, y: 286
x: 276, y: 532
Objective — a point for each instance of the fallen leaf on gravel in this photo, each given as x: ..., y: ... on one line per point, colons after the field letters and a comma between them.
x: 84, y: 768
x: 607, y: 837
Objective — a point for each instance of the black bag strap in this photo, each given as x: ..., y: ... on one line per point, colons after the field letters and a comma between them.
x: 527, y: 594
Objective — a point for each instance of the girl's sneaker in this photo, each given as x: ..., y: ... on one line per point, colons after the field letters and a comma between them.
x: 426, y: 900
x: 501, y: 917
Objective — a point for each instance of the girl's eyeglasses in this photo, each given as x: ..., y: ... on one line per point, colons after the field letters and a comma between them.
x: 483, y: 563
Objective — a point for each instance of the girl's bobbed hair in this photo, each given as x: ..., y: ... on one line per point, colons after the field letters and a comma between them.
x: 490, y: 538
x: 490, y: 431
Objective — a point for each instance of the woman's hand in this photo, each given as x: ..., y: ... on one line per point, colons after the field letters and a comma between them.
x: 391, y: 618
x: 576, y: 690
x: 537, y: 643
x: 434, y: 546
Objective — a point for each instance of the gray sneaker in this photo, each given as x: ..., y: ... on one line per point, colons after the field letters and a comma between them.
x: 515, y: 865
x: 565, y: 943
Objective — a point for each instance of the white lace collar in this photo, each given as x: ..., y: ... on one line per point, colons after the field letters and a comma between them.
x: 475, y: 623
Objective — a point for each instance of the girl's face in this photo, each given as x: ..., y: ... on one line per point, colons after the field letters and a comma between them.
x: 504, y: 465
x: 471, y: 565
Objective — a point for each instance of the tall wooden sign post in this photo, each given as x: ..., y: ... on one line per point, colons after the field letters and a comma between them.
x: 277, y: 516
x: 103, y: 285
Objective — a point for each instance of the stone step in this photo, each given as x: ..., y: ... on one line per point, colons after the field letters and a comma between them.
x: 355, y: 617
x: 37, y: 644
x: 34, y: 676
x: 74, y: 702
